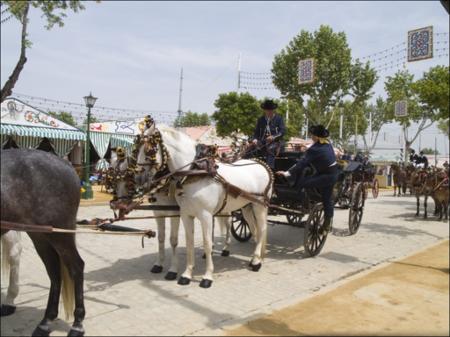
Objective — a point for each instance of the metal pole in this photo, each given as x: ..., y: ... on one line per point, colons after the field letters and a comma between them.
x: 356, y: 133
x: 180, y: 94
x: 435, y: 151
x: 239, y: 73
x: 370, y: 127
x: 87, y: 194
x: 306, y: 130
x: 341, y: 124
x: 287, y: 112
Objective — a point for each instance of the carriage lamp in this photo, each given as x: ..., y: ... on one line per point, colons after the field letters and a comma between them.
x: 88, y: 194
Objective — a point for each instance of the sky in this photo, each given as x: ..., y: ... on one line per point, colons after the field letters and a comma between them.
x: 129, y: 54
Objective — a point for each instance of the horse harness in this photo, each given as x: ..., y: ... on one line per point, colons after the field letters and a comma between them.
x: 203, y: 165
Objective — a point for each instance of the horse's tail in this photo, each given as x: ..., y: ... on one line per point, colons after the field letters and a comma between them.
x: 67, y: 291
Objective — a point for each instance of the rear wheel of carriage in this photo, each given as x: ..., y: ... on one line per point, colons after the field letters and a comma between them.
x: 356, y: 208
x: 314, y: 239
x: 239, y: 227
x: 375, y: 188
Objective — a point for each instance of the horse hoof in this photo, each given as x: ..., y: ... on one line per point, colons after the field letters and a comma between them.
x: 205, y: 283
x: 256, y: 267
x: 204, y: 256
x: 41, y: 332
x: 156, y: 269
x: 183, y: 281
x: 8, y: 309
x: 76, y: 332
x: 170, y: 276
x: 225, y: 253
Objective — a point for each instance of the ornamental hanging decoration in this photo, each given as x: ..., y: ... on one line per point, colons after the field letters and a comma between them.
x: 306, y: 71
x: 420, y: 44
x: 401, y: 108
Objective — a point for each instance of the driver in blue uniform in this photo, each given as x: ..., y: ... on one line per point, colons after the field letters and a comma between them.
x: 269, y: 132
x: 321, y: 155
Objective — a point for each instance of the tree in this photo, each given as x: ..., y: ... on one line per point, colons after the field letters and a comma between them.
x: 20, y: 11
x: 236, y: 113
x: 65, y: 117
x: 335, y: 75
x: 379, y: 118
x: 192, y: 119
x: 354, y: 122
x: 433, y: 91
x: 423, y: 107
x: 427, y: 150
x: 92, y: 120
x: 444, y: 126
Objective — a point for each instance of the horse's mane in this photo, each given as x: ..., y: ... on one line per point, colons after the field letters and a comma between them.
x: 175, y: 134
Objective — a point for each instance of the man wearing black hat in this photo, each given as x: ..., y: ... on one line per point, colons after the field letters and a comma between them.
x: 321, y: 155
x: 413, y: 157
x: 269, y: 132
x: 422, y: 160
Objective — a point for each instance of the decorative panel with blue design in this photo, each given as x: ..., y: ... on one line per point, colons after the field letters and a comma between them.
x: 420, y: 44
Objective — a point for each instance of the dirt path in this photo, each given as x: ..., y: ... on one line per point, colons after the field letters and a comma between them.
x: 407, y: 297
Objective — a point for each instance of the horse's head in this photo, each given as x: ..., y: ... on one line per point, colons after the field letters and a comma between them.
x: 151, y: 157
x: 122, y: 180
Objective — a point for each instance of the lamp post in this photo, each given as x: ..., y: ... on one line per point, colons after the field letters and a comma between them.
x: 88, y: 194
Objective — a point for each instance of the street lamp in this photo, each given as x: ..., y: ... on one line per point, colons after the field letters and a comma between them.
x: 88, y: 194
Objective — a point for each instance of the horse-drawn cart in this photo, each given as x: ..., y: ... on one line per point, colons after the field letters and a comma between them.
x: 287, y: 201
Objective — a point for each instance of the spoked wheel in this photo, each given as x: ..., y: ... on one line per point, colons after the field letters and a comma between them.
x: 356, y: 208
x: 375, y: 188
x: 239, y: 227
x: 314, y: 240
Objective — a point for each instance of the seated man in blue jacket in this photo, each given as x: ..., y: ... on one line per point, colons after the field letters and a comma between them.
x: 269, y: 132
x: 321, y: 156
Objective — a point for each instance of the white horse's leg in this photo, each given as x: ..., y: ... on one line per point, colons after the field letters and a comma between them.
x: 188, y: 223
x: 260, y: 216
x: 11, y: 250
x: 158, y: 266
x: 225, y: 224
x: 174, y: 229
x: 206, y: 222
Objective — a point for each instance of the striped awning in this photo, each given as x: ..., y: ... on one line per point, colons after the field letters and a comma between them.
x: 40, y: 132
x: 125, y: 141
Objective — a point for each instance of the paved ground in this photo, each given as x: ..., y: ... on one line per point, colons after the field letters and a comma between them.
x: 406, y: 297
x: 123, y: 298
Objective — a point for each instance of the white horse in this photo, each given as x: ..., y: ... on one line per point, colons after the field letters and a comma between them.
x: 202, y: 198
x: 11, y: 251
x: 162, y: 198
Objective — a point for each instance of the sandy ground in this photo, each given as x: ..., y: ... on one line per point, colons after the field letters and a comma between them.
x: 407, y: 297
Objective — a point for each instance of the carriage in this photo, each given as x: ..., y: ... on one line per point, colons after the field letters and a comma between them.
x: 286, y: 201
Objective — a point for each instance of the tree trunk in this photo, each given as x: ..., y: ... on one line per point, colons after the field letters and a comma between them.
x: 11, y: 82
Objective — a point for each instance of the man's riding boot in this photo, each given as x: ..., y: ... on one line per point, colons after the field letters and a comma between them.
x: 327, y: 224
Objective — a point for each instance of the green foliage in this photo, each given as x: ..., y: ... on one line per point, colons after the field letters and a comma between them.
x: 63, y: 116
x: 236, y: 113
x: 335, y: 76
x: 296, y: 117
x: 433, y: 91
x: 192, y: 119
x: 400, y: 87
x: 427, y: 150
x: 53, y: 11
x: 444, y: 126
x: 354, y: 121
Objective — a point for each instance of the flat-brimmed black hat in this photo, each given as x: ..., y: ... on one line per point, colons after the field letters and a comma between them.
x: 269, y: 104
x: 318, y: 131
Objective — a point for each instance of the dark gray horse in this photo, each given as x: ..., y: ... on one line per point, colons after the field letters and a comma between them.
x: 38, y: 188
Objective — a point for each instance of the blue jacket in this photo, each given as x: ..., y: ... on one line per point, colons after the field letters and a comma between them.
x: 276, y: 127
x: 321, y: 156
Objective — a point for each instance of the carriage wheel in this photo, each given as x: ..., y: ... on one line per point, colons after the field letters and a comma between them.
x: 356, y: 208
x: 239, y: 227
x: 375, y: 188
x: 313, y: 239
